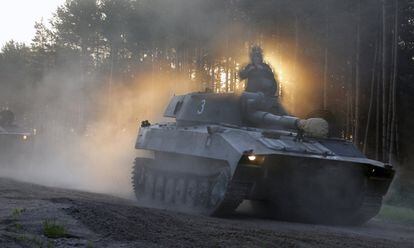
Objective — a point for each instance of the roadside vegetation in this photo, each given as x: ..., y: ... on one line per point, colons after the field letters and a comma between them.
x: 54, y: 230
x: 397, y: 214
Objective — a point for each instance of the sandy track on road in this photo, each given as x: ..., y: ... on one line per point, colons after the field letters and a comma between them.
x: 98, y: 220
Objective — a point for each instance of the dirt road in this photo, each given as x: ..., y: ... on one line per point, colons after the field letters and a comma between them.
x: 94, y: 220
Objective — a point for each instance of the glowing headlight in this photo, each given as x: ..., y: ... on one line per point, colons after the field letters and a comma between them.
x: 252, y: 157
x: 249, y: 157
x: 24, y: 137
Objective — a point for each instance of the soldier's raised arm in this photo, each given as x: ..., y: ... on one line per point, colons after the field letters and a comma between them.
x: 244, y: 73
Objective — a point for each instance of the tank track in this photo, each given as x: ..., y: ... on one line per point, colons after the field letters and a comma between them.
x: 235, y: 194
x: 184, y: 191
x: 369, y: 208
x: 196, y: 191
x: 366, y: 207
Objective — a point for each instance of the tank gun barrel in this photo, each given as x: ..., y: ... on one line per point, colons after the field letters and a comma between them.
x: 269, y: 119
x: 255, y: 106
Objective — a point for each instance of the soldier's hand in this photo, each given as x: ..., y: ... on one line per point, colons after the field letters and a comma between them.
x: 250, y: 68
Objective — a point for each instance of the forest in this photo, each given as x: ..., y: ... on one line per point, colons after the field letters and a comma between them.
x: 351, y: 60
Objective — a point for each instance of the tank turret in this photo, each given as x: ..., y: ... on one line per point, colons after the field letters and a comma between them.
x: 248, y: 109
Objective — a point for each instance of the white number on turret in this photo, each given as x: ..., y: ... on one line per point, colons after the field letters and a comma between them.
x: 201, y: 107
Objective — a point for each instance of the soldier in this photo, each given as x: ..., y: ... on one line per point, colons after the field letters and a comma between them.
x: 259, y: 75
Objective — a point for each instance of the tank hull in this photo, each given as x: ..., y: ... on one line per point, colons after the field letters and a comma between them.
x: 305, y: 180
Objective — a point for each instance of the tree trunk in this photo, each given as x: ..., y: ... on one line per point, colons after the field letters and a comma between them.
x: 384, y: 81
x: 357, y: 77
x: 325, y: 81
x: 371, y: 98
x: 394, y: 82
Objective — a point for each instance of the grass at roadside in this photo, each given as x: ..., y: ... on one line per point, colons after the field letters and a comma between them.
x: 397, y: 214
x: 52, y: 229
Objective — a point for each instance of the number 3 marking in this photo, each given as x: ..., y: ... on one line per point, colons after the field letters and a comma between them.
x: 201, y: 107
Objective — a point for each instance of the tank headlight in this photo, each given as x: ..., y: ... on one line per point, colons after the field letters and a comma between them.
x: 254, y: 159
x: 249, y: 157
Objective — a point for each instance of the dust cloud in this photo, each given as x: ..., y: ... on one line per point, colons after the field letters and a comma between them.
x: 100, y: 158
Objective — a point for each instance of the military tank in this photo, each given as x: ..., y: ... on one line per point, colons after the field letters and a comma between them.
x: 223, y: 149
x: 14, y: 140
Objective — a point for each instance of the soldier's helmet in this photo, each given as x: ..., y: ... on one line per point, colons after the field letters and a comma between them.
x: 256, y: 52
